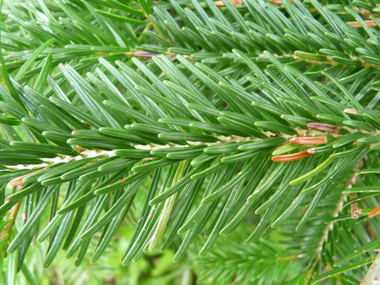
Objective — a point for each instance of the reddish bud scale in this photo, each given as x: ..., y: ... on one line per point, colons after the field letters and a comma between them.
x: 369, y: 23
x: 309, y: 140
x: 79, y: 149
x: 324, y: 127
x: 86, y: 124
x: 291, y: 157
x: 374, y: 212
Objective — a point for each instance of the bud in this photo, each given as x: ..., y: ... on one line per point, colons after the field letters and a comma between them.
x: 291, y: 157
x: 356, y: 24
x: 79, y: 148
x: 309, y: 140
x: 374, y: 212
x: 324, y: 127
x: 86, y: 124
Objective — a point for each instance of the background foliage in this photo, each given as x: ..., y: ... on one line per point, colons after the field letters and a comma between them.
x: 238, y: 139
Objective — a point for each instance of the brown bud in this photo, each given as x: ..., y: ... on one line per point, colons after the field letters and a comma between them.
x: 79, y: 149
x: 374, y: 212
x: 291, y: 157
x: 86, y: 124
x: 309, y: 140
x: 356, y: 24
x: 324, y: 127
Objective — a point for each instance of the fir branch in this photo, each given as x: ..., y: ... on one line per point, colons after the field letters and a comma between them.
x: 246, y: 113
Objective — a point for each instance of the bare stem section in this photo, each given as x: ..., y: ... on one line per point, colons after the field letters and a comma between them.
x: 221, y: 141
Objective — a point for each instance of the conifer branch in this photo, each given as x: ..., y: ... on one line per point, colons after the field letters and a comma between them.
x: 227, y: 119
